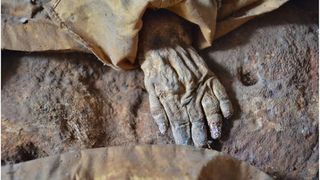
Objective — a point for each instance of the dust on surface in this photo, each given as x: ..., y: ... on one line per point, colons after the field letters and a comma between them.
x: 71, y: 101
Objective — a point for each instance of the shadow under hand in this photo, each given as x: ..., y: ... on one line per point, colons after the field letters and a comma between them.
x: 9, y: 65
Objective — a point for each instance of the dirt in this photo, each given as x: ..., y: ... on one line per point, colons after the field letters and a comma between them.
x: 71, y: 101
x: 58, y: 102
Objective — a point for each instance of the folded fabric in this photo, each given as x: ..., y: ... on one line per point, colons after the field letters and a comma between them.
x: 110, y: 28
x: 136, y: 162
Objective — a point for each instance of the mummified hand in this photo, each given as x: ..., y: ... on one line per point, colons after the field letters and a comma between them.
x: 183, y: 92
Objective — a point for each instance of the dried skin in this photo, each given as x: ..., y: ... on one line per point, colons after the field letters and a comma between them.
x: 183, y: 92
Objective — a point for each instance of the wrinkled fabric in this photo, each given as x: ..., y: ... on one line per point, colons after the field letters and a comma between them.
x: 25, y: 26
x: 109, y: 28
x: 34, y: 37
x: 239, y: 12
x: 136, y: 162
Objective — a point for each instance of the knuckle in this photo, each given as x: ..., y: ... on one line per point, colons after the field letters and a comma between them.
x: 210, y: 103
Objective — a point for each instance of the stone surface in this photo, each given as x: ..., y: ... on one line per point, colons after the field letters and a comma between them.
x: 270, y: 67
x: 53, y: 103
x: 60, y: 102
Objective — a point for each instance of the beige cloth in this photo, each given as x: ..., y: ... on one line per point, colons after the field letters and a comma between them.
x: 136, y: 162
x: 34, y: 36
x: 109, y: 28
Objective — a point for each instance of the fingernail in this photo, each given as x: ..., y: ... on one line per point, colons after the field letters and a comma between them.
x: 227, y: 110
x: 162, y: 128
x: 215, y: 132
